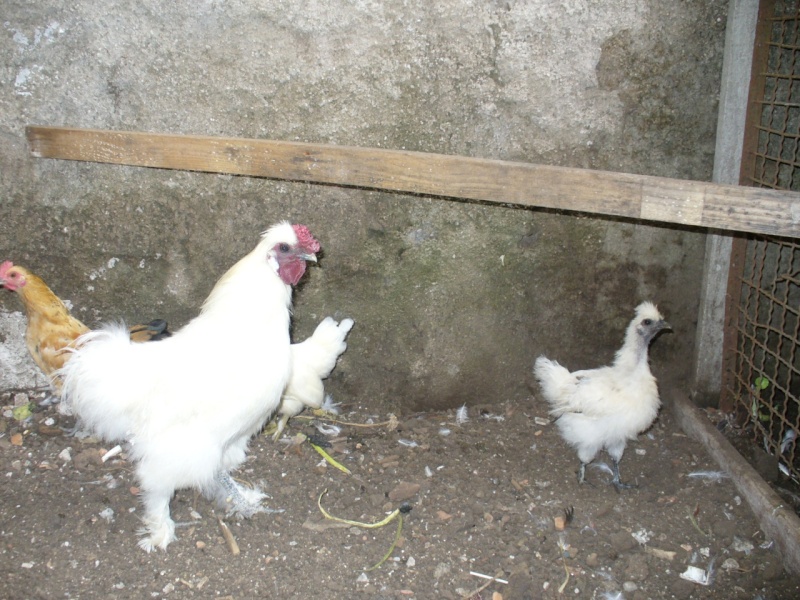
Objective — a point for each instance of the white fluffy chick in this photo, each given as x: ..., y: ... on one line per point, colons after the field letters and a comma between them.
x: 312, y: 361
x: 604, y: 408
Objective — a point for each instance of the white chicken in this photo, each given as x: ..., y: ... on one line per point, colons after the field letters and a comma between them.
x: 604, y: 408
x: 189, y: 404
x: 312, y: 361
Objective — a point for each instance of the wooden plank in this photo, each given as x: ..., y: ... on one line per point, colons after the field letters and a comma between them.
x: 776, y: 519
x: 625, y: 195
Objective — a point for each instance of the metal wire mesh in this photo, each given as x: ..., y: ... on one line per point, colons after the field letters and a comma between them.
x: 778, y: 151
x: 762, y: 381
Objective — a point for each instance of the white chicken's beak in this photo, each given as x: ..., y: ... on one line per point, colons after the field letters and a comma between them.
x: 308, y: 257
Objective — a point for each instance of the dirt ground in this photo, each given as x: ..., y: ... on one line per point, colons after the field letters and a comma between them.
x: 486, y: 496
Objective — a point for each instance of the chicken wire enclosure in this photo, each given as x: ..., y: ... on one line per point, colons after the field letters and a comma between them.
x: 761, y: 382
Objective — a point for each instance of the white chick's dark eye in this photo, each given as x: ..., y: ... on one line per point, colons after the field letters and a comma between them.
x: 284, y: 248
x: 647, y: 322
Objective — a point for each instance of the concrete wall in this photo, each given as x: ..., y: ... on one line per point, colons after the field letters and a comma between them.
x: 452, y: 301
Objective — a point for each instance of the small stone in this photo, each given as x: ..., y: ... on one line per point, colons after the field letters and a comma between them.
x: 592, y: 560
x: 403, y: 491
x: 630, y: 586
x: 411, y: 562
x: 88, y: 458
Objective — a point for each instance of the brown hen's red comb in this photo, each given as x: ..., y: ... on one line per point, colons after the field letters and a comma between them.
x: 305, y: 239
x: 5, y: 267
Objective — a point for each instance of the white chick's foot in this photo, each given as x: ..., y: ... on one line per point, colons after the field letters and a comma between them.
x: 616, y: 481
x: 157, y: 535
x: 582, y: 476
x: 240, y: 501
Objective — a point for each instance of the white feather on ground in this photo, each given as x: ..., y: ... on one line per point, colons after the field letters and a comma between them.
x: 604, y: 408
x: 189, y: 404
x: 312, y: 361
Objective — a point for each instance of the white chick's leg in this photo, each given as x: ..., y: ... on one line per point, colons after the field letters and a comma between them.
x: 586, y: 455
x: 238, y: 500
x: 159, y: 528
x: 582, y: 473
x: 615, y: 452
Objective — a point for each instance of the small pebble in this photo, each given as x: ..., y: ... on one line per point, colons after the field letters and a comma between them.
x: 630, y: 586
x: 403, y: 491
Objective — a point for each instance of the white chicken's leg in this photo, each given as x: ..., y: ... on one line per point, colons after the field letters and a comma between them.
x: 615, y: 452
x: 159, y: 528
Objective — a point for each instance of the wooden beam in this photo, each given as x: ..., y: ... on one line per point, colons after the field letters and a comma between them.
x: 659, y: 199
x: 776, y: 519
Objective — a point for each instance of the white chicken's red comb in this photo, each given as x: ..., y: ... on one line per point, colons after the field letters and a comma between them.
x: 305, y: 239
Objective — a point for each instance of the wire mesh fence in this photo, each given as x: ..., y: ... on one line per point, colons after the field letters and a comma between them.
x: 761, y: 383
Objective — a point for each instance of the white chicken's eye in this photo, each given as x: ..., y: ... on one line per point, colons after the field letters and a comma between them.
x: 284, y: 247
x: 647, y: 322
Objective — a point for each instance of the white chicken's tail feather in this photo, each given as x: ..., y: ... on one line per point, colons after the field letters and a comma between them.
x: 323, y: 348
x: 97, y: 380
x: 557, y: 384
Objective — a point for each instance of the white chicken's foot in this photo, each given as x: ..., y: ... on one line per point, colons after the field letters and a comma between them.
x: 616, y: 481
x: 281, y: 425
x: 238, y: 500
x: 159, y: 528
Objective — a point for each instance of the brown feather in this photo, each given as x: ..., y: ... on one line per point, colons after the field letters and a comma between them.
x: 51, y: 328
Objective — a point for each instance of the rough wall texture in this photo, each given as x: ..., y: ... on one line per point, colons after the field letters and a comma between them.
x: 452, y: 301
